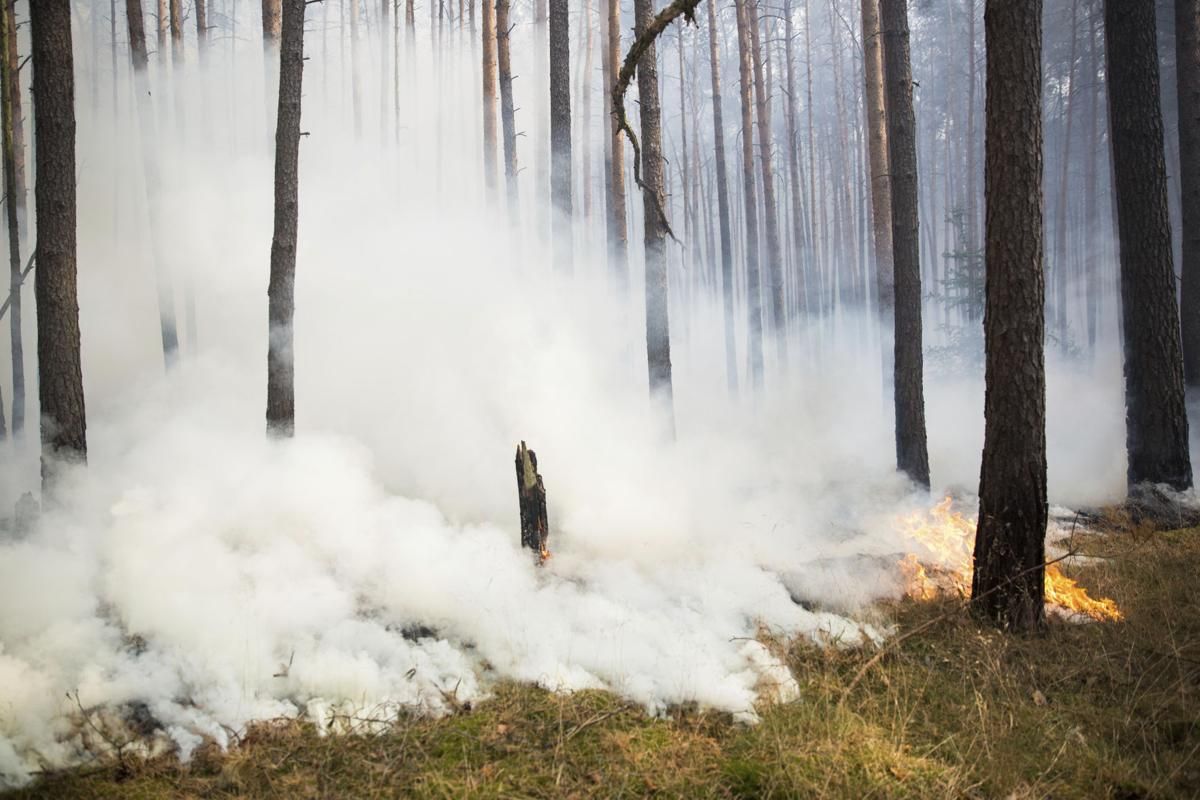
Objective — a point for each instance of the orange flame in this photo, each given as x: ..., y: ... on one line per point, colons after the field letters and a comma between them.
x: 948, y: 539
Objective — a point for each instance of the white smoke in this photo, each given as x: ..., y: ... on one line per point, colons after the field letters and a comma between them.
x: 214, y: 577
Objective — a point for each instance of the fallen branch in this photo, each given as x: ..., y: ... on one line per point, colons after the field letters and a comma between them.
x: 686, y: 9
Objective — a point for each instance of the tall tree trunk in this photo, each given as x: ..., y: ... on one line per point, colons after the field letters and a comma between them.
x: 149, y: 141
x: 877, y: 147
x: 714, y: 63
x: 177, y: 32
x: 164, y: 26
x: 271, y: 20
x: 1155, y: 416
x: 1060, y: 225
x: 507, y: 111
x: 355, y: 82
x: 972, y: 164
x: 201, y: 26
x: 560, y: 133
x: 8, y: 84
x: 281, y: 290
x: 1092, y: 224
x: 60, y: 373
x: 793, y: 150
x: 1187, y: 65
x: 753, y: 290
x: 18, y: 115
x: 911, y: 453
x: 618, y: 233
x: 1008, y: 581
x: 488, y: 10
x: 770, y: 207
x: 658, y: 331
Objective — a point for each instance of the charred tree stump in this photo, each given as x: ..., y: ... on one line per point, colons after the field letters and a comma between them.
x: 531, y: 493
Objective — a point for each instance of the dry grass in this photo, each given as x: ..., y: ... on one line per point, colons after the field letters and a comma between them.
x: 1085, y: 711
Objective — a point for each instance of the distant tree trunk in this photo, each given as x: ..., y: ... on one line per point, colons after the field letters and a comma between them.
x: 281, y: 358
x: 176, y: 32
x: 658, y: 331
x: 770, y: 207
x: 201, y: 26
x: 8, y: 83
x: 1187, y: 65
x: 18, y: 116
x: 714, y: 63
x: 560, y: 133
x: 585, y: 122
x: 507, y: 111
x: 911, y: 454
x: 877, y: 147
x: 1064, y: 194
x: 1155, y: 416
x: 541, y: 151
x: 489, y: 98
x: 1092, y: 249
x: 753, y: 291
x: 164, y: 26
x: 355, y: 78
x: 1008, y: 582
x: 793, y: 151
x: 149, y: 140
x: 972, y: 164
x: 60, y: 373
x: 271, y: 20
x: 410, y: 21
x: 618, y: 233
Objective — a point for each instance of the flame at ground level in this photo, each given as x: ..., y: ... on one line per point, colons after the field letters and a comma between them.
x: 948, y: 538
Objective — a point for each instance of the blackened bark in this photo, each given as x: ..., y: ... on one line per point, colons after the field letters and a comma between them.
x: 489, y: 99
x: 911, y: 454
x: 770, y: 208
x: 60, y: 371
x: 1155, y: 416
x: 714, y: 63
x: 753, y: 290
x: 1008, y: 581
x: 7, y: 83
x: 658, y: 335
x: 281, y: 390
x: 1187, y: 67
x: 507, y: 110
x: 560, y: 134
x: 531, y: 499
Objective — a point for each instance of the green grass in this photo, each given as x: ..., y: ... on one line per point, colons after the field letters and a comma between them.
x: 1085, y: 711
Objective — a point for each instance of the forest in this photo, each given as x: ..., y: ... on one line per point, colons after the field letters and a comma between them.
x: 849, y: 351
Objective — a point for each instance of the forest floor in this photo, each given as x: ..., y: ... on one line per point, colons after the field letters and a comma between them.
x: 953, y: 710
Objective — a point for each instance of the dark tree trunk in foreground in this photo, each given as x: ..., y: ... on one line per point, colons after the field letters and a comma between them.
x: 911, y: 454
x: 1008, y: 582
x: 7, y: 83
x: 1155, y: 417
x: 507, y: 110
x: 489, y: 98
x: 658, y: 333
x: 749, y: 196
x: 714, y: 63
x: 1187, y: 65
x: 281, y: 390
x: 60, y: 373
x: 531, y: 499
x: 560, y: 134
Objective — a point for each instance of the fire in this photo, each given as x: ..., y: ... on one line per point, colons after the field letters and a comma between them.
x: 948, y: 539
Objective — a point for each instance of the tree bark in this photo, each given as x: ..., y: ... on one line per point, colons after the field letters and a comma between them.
x: 753, y: 290
x: 877, y: 147
x: 531, y: 500
x: 281, y: 357
x: 658, y: 336
x: 770, y: 207
x: 1155, y: 416
x: 201, y: 26
x: 488, y: 10
x: 8, y: 82
x: 1187, y: 66
x: 507, y: 111
x: 912, y: 457
x: 18, y: 115
x: 618, y: 233
x: 714, y: 62
x: 1060, y: 227
x: 1008, y: 582
x: 60, y: 372
x: 271, y: 20
x: 176, y: 32
x: 560, y: 134
x: 799, y: 239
